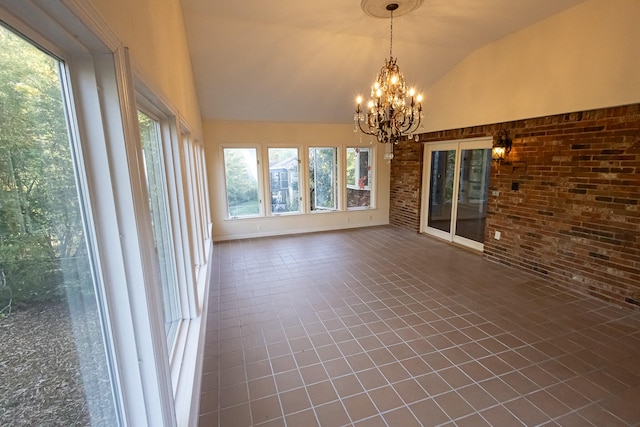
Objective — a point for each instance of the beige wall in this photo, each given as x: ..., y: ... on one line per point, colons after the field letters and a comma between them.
x: 583, y: 58
x: 580, y: 59
x: 154, y: 32
x: 264, y: 135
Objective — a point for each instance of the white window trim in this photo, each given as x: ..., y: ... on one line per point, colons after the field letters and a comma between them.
x: 338, y: 190
x: 137, y: 237
x: 195, y: 303
x: 186, y: 368
x: 372, y: 180
x: 164, y: 134
x: 190, y: 169
x: 186, y: 354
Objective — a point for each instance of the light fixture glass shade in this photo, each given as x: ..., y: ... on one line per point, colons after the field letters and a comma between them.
x: 393, y: 110
x: 501, y: 146
x: 497, y: 153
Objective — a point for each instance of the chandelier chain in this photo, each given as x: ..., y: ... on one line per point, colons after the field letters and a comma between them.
x: 391, y: 38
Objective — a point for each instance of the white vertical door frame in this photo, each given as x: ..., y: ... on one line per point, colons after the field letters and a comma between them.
x: 457, y: 145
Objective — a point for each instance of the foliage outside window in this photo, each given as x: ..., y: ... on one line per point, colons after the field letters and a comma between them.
x: 322, y: 179
x: 358, y: 166
x: 241, y: 175
x: 52, y: 353
x: 160, y: 219
x: 442, y: 163
x: 283, y: 173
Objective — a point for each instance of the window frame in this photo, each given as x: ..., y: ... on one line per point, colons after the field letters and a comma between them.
x: 195, y: 199
x: 336, y: 175
x: 65, y: 53
x: 165, y: 156
x: 371, y: 178
x: 357, y: 171
x: 186, y: 227
x: 100, y: 84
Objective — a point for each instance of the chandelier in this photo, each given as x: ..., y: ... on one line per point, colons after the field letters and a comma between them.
x: 393, y: 111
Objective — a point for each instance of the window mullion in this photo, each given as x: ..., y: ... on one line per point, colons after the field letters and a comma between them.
x: 136, y: 239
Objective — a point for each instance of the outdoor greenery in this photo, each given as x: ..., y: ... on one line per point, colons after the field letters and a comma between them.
x: 352, y: 156
x: 42, y: 251
x: 242, y: 184
x: 322, y: 173
x: 53, y: 366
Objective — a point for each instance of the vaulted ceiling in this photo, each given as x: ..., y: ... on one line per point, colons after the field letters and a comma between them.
x: 306, y: 61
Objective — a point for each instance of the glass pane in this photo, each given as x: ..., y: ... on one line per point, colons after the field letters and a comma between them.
x: 475, y: 166
x: 283, y: 173
x: 322, y: 178
x: 160, y: 220
x: 54, y: 367
x: 241, y: 174
x: 190, y: 168
x: 441, y: 189
x: 358, y: 177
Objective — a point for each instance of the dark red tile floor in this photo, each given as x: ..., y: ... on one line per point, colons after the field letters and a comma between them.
x: 384, y: 327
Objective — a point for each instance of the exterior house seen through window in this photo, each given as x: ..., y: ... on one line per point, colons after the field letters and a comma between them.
x: 283, y: 173
x: 291, y: 189
x: 359, y: 177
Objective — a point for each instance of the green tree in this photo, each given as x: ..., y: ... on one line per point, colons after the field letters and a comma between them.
x: 40, y: 226
x: 322, y: 171
x: 242, y: 185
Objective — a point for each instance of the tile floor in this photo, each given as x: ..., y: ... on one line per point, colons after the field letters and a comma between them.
x: 385, y: 327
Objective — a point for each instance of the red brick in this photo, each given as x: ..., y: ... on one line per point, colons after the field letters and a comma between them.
x: 576, y: 216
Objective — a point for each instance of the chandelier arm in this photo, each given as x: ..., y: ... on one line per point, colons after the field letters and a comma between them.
x: 364, y: 131
x: 413, y: 130
x: 410, y: 126
x: 406, y: 125
x: 413, y: 125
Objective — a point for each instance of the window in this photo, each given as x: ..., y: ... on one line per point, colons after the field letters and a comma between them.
x: 323, y: 184
x: 283, y: 173
x: 191, y: 168
x: 160, y: 220
x: 203, y: 193
x: 241, y: 174
x: 359, y: 177
x: 75, y: 208
x: 198, y: 211
x: 55, y: 367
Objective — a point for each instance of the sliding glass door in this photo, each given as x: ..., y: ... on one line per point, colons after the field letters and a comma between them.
x: 457, y: 187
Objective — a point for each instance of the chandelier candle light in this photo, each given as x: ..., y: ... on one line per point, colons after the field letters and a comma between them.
x: 393, y: 111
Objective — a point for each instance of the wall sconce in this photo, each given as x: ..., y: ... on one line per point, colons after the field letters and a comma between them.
x: 501, y: 146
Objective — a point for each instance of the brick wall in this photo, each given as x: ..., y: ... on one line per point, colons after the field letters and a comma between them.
x: 358, y: 198
x: 405, y: 185
x: 575, y: 217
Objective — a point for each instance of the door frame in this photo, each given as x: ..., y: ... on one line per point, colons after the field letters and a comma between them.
x: 458, y: 145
